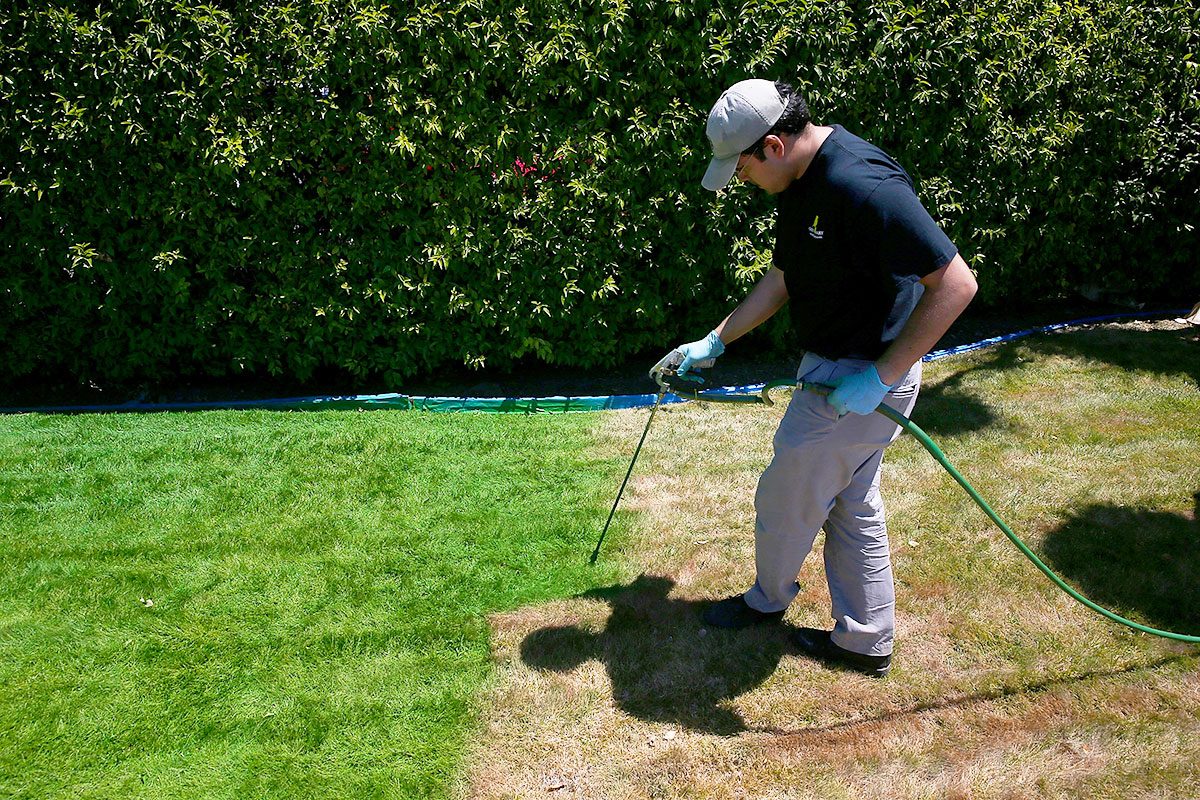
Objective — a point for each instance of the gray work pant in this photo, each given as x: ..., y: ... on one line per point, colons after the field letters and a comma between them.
x: 825, y: 473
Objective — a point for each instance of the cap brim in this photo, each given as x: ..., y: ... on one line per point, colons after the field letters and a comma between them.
x: 719, y: 173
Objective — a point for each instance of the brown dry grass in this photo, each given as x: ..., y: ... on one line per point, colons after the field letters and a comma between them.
x: 1002, y: 686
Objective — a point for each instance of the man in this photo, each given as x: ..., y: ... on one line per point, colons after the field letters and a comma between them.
x: 872, y: 283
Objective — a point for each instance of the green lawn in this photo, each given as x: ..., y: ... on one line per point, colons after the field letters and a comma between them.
x: 271, y: 604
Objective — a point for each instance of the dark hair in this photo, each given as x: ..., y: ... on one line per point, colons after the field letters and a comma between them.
x: 794, y: 120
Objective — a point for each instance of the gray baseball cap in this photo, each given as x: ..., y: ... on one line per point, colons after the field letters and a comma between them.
x: 744, y: 112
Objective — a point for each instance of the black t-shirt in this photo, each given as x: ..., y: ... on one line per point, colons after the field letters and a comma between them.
x: 853, y: 242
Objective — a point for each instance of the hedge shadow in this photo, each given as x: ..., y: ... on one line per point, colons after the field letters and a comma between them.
x: 1134, y: 561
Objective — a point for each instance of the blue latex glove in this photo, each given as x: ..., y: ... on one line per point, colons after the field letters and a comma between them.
x: 858, y: 393
x: 699, y: 354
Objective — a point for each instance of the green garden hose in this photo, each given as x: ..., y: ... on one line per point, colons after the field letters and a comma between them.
x: 911, y: 427
x: 922, y: 437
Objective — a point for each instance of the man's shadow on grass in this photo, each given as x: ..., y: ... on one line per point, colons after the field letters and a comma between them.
x: 1133, y: 561
x: 665, y: 666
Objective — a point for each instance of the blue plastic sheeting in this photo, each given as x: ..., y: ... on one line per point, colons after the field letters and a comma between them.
x: 1008, y: 337
x: 524, y: 405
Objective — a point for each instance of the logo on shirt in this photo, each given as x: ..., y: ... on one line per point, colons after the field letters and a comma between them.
x: 815, y: 230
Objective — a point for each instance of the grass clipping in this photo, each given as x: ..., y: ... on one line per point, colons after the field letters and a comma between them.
x: 1002, y: 686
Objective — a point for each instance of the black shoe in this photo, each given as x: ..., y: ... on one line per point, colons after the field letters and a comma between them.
x: 818, y: 645
x: 733, y: 613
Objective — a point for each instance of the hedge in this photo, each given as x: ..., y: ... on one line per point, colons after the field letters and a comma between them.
x: 387, y: 189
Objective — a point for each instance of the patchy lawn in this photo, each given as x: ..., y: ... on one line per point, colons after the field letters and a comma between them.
x: 1002, y: 686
